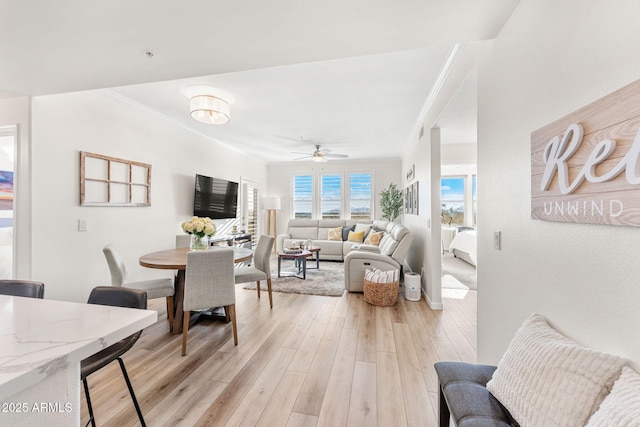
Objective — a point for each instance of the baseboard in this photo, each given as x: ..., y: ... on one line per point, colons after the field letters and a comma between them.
x: 431, y: 304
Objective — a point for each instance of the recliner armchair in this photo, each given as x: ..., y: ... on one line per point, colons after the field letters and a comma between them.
x: 389, y: 255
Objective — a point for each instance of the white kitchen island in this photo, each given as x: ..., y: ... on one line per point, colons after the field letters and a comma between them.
x: 42, y: 343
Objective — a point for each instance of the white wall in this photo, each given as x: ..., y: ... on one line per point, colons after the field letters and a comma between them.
x: 280, y: 176
x: 459, y: 154
x: 71, y: 262
x: 551, y: 59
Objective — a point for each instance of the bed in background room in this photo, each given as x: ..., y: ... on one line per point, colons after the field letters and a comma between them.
x: 464, y: 246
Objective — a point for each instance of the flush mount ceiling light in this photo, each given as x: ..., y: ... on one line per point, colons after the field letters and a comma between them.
x: 209, y: 109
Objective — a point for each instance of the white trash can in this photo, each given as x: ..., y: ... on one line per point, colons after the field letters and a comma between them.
x: 412, y: 290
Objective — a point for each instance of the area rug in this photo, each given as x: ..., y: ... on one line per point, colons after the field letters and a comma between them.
x: 327, y: 281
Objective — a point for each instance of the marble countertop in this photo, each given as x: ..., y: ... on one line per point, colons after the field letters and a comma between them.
x: 39, y: 337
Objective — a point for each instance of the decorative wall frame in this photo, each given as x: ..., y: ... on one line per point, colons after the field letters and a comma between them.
x: 411, y: 199
x: 110, y: 181
x: 415, y: 198
x: 411, y: 173
x: 585, y: 166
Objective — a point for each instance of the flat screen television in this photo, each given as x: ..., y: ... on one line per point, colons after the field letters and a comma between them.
x: 215, y: 198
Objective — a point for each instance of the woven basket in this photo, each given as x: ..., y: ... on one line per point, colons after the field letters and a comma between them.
x: 381, y: 294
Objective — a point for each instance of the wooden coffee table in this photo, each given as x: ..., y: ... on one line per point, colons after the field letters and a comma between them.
x: 300, y: 262
x: 316, y: 250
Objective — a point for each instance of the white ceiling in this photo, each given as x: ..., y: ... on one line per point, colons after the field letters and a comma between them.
x: 352, y: 76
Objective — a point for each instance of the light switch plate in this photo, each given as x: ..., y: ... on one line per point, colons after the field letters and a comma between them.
x: 83, y: 224
x: 497, y: 240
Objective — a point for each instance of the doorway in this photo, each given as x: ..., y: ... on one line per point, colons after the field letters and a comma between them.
x: 7, y: 205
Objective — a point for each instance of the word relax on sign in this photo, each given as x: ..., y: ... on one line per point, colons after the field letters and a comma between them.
x: 556, y: 155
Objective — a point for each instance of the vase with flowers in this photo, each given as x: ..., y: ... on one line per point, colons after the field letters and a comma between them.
x: 200, y: 229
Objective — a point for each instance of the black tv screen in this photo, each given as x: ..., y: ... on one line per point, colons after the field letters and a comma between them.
x: 215, y: 198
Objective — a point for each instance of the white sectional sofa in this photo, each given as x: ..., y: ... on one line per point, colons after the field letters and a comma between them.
x: 317, y: 230
x: 389, y: 254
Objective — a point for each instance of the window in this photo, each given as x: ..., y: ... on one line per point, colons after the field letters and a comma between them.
x: 474, y: 198
x: 331, y: 196
x: 302, y: 196
x: 452, y: 200
x: 360, y: 195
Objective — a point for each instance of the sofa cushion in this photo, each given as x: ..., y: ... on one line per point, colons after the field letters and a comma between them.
x: 345, y: 231
x: 622, y: 406
x: 373, y: 238
x: 388, y: 244
x: 545, y: 378
x: 363, y: 227
x: 303, y: 233
x: 329, y: 249
x: 324, y: 225
x: 335, y: 234
x: 470, y: 403
x: 356, y: 236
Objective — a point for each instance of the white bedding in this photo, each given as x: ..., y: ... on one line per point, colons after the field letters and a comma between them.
x: 466, y: 241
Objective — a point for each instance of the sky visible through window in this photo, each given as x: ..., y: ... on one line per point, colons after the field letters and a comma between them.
x: 452, y: 199
x: 359, y: 196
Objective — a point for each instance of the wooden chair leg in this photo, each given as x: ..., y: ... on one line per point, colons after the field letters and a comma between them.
x: 232, y: 313
x: 170, y: 312
x: 258, y: 288
x: 185, y: 330
x: 270, y: 296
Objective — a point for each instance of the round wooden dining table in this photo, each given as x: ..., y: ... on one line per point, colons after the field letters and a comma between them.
x: 176, y: 259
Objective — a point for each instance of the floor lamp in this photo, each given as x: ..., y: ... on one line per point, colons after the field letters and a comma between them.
x: 271, y: 205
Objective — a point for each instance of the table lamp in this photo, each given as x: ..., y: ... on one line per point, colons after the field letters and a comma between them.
x: 271, y: 205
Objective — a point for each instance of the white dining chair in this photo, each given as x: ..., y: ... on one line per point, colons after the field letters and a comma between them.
x: 260, y: 268
x: 183, y: 240
x: 209, y: 283
x: 155, y: 288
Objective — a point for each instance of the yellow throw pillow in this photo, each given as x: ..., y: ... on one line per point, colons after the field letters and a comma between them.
x: 335, y: 234
x: 373, y: 238
x: 356, y: 237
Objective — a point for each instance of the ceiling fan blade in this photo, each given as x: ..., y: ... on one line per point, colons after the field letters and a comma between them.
x: 305, y: 157
x: 337, y: 156
x: 297, y: 152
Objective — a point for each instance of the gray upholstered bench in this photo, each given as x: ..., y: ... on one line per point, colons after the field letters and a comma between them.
x: 464, y: 396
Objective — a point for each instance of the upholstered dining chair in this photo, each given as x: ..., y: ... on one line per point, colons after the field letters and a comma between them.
x: 260, y: 270
x: 118, y: 297
x: 22, y: 288
x: 183, y: 240
x: 155, y: 288
x: 209, y: 283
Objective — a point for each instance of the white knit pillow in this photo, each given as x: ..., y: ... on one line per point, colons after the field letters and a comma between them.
x: 621, y: 408
x: 546, y: 379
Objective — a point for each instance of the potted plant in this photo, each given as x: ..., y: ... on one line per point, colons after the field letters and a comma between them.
x: 391, y: 202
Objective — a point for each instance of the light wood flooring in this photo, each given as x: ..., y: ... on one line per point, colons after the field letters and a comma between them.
x: 310, y: 361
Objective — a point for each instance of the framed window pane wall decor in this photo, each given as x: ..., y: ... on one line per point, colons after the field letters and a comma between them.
x: 110, y: 181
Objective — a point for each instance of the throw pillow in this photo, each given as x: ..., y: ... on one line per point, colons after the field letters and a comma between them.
x: 335, y: 234
x: 547, y: 379
x: 373, y: 238
x: 363, y: 227
x: 346, y: 230
x: 357, y: 237
x: 621, y: 408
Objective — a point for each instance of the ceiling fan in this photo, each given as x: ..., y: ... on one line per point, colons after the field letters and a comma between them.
x: 320, y: 156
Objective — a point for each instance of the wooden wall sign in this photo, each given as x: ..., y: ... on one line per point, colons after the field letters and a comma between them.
x: 585, y: 167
